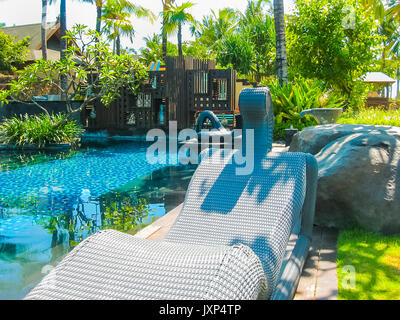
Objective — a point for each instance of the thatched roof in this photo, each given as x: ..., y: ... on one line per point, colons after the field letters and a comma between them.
x: 34, y: 32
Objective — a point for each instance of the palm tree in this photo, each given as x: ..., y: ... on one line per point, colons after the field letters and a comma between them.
x: 175, y: 17
x: 215, y: 26
x: 166, y: 5
x: 63, y: 41
x: 45, y: 3
x: 99, y: 9
x: 116, y: 15
x: 281, y: 56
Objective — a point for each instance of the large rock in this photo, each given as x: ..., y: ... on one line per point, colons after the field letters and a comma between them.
x: 359, y: 175
x: 313, y: 139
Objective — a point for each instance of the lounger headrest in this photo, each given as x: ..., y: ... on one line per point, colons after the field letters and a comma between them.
x: 257, y: 112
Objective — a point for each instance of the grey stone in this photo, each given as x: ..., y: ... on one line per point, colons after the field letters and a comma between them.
x: 313, y: 139
x: 359, y: 176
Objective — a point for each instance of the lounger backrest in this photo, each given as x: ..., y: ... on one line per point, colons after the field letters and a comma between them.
x: 257, y: 209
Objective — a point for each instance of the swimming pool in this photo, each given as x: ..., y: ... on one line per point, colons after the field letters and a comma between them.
x: 49, y: 202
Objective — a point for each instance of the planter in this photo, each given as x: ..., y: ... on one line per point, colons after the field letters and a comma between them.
x: 324, y: 115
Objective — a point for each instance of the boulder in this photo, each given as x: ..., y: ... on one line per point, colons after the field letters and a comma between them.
x: 359, y: 175
x: 313, y: 139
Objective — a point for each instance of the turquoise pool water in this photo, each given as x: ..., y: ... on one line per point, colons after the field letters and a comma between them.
x: 49, y: 202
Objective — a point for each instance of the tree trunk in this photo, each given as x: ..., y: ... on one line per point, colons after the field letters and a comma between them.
x: 44, y: 24
x: 164, y: 35
x: 63, y: 45
x: 180, y: 40
x: 281, y: 57
x: 118, y: 45
x: 98, y: 21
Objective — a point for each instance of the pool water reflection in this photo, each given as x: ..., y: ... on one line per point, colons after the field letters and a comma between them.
x: 51, y: 202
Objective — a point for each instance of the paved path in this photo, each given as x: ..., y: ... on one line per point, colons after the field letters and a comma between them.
x: 319, y: 279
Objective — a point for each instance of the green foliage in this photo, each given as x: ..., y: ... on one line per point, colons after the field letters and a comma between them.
x: 292, y: 98
x: 214, y: 27
x: 236, y: 52
x: 13, y: 53
x: 332, y: 41
x: 372, y: 116
x: 117, y: 19
x: 376, y: 262
x: 250, y: 50
x: 92, y: 71
x: 125, y: 216
x: 153, y: 50
x: 40, y: 130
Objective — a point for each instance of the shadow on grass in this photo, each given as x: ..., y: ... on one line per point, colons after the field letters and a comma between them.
x: 376, y: 262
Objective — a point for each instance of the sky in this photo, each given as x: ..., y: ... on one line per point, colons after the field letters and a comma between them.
x: 21, y: 12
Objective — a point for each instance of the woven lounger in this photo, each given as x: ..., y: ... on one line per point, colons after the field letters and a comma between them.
x: 237, y: 237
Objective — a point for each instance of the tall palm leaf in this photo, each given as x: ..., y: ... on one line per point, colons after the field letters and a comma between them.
x: 116, y: 15
x: 215, y: 26
x: 394, y: 10
x: 175, y: 17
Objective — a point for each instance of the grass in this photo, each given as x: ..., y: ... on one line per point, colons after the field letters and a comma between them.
x: 376, y: 262
x: 372, y: 116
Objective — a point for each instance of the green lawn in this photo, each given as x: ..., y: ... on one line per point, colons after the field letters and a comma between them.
x: 376, y: 262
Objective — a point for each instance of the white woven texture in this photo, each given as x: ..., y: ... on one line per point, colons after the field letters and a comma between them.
x: 114, y: 265
x: 258, y: 210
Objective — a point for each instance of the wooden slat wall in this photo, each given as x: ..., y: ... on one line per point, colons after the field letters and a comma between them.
x: 175, y: 85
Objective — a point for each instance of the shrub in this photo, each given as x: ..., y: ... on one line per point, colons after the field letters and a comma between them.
x: 40, y: 130
x: 294, y: 97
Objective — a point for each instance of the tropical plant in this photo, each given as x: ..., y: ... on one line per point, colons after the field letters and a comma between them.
x: 153, y: 49
x: 236, y: 51
x: 281, y: 56
x: 116, y: 16
x: 215, y: 27
x: 332, y: 41
x: 13, y: 52
x: 394, y: 10
x: 92, y: 71
x: 175, y: 17
x: 40, y: 130
x: 250, y: 50
x: 291, y: 98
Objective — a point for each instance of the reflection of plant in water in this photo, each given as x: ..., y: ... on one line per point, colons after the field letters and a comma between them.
x: 122, y: 212
x: 19, y: 202
x: 14, y: 160
x: 73, y: 223
x: 124, y: 216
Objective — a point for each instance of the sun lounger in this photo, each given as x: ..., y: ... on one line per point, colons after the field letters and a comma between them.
x: 237, y: 237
